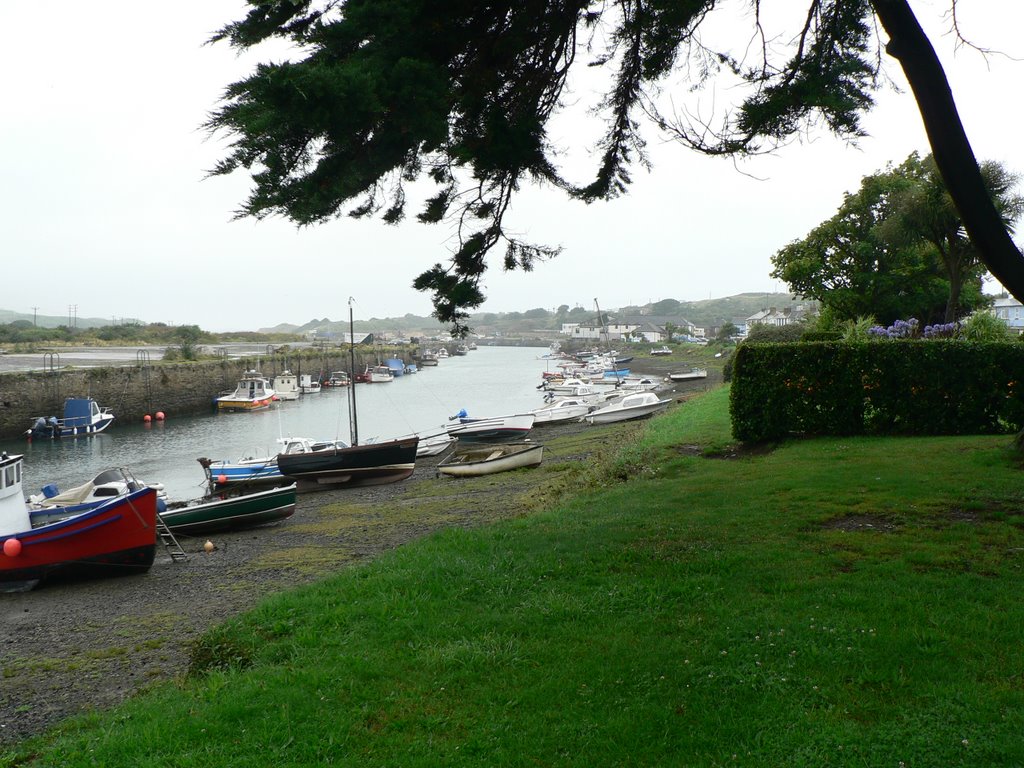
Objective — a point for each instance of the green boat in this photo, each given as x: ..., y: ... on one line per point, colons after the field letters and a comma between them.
x: 224, y: 513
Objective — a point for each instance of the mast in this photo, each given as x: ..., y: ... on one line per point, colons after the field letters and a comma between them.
x: 353, y: 421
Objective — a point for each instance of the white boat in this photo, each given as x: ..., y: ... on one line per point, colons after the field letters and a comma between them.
x: 82, y: 416
x: 286, y: 386
x: 494, y: 429
x: 639, y: 384
x: 690, y: 375
x: 564, y: 386
x: 337, y: 379
x: 629, y: 407
x: 308, y: 385
x: 52, y: 504
x: 488, y: 459
x: 563, y: 409
x: 434, y: 444
x: 253, y: 393
x: 662, y: 350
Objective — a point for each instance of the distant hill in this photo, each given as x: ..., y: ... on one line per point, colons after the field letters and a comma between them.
x: 55, y: 321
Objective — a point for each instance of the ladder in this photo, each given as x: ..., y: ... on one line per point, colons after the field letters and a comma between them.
x: 170, y: 543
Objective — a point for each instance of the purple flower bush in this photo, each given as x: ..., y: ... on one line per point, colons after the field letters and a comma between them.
x: 910, y: 329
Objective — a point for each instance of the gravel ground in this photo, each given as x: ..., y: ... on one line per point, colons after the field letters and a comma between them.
x: 74, y: 647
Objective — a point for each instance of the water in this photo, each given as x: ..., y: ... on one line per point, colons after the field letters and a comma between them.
x: 489, y: 381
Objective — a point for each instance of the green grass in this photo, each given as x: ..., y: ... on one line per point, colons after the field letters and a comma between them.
x: 850, y: 602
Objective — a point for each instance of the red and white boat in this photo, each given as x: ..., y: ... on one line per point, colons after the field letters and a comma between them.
x: 118, y: 537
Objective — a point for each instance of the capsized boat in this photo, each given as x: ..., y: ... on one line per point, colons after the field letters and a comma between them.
x: 115, y: 538
x: 629, y: 407
x: 488, y: 459
x: 82, y: 417
x: 252, y: 393
x: 224, y: 512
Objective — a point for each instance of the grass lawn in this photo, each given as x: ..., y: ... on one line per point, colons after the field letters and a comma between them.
x: 831, y: 602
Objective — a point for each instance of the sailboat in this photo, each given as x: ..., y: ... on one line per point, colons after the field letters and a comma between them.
x: 374, y: 463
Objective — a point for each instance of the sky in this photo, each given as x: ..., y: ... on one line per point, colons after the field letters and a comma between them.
x: 106, y: 210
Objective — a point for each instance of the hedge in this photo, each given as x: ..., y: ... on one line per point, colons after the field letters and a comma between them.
x: 911, y: 387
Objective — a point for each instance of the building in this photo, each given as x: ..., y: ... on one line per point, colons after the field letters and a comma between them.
x: 1010, y: 311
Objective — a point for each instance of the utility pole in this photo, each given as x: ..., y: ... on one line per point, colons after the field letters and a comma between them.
x: 34, y: 311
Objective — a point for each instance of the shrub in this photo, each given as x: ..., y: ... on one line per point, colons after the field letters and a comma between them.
x: 906, y: 387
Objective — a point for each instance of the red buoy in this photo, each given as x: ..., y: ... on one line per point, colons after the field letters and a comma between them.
x: 12, y: 547
x: 159, y: 415
x: 147, y: 418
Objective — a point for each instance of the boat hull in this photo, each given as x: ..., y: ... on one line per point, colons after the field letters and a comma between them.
x: 487, y: 460
x: 625, y: 414
x: 113, y: 539
x: 232, y: 512
x: 370, y: 464
x: 688, y: 375
x: 503, y: 428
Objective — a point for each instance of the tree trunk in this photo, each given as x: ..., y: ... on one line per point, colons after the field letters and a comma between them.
x: 954, y: 157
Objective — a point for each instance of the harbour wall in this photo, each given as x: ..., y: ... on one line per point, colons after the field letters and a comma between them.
x: 134, y: 391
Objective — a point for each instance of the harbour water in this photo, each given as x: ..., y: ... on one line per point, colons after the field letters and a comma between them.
x: 489, y: 381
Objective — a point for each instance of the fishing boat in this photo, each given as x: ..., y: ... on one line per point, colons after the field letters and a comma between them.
x: 629, y: 407
x: 499, y: 428
x: 369, y: 464
x: 337, y: 379
x: 82, y: 417
x: 690, y: 375
x: 488, y: 459
x: 286, y: 386
x: 260, y: 467
x: 118, y: 537
x: 375, y: 374
x: 52, y: 504
x: 223, y: 512
x: 428, y: 358
x: 253, y: 393
x: 308, y: 385
x: 396, y: 366
x: 372, y: 463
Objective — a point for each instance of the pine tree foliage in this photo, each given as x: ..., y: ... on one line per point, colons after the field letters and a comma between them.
x: 384, y: 93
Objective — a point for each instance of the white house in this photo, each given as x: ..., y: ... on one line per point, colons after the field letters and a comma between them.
x: 1010, y: 311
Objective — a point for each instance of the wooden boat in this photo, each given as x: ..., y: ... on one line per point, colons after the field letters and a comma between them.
x: 230, y: 512
x: 690, y: 375
x: 82, y: 417
x: 629, y: 407
x: 252, y: 393
x: 286, y: 386
x: 369, y: 464
x: 495, y: 429
x: 118, y: 537
x: 260, y: 468
x: 488, y: 459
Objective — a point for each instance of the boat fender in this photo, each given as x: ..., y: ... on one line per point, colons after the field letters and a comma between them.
x: 460, y: 415
x: 161, y: 506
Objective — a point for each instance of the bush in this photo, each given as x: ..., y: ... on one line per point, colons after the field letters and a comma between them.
x: 903, y: 387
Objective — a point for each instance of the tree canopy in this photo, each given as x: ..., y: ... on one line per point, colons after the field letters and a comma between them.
x: 896, y: 248
x: 382, y: 93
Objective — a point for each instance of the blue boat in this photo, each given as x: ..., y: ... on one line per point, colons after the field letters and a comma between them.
x: 82, y: 417
x: 396, y: 365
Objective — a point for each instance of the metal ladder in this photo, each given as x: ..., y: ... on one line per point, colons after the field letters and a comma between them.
x: 170, y: 543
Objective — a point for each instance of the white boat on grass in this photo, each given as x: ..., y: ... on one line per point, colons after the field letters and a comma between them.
x: 629, y: 407
x: 561, y: 410
x: 690, y: 375
x: 488, y: 459
x: 495, y: 429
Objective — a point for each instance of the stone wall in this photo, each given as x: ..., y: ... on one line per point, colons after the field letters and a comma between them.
x: 133, y: 391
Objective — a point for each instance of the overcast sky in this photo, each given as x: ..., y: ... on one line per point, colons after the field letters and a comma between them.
x: 104, y: 206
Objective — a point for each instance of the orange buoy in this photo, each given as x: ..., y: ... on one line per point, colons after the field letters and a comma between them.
x: 147, y: 418
x: 12, y: 547
x: 159, y: 415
